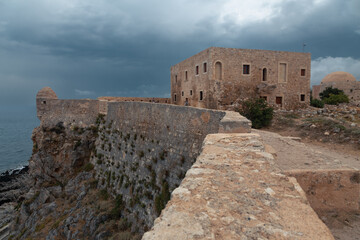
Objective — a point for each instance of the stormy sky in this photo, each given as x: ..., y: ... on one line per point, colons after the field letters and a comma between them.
x: 90, y: 48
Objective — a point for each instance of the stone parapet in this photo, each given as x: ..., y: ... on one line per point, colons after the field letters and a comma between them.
x: 233, y: 122
x: 234, y: 190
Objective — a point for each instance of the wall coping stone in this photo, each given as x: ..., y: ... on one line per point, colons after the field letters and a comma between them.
x: 235, y: 190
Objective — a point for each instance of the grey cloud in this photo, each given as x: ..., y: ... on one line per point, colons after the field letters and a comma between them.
x: 322, y: 66
x: 128, y: 46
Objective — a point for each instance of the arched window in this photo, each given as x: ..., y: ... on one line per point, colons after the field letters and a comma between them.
x: 264, y: 75
x: 218, y: 71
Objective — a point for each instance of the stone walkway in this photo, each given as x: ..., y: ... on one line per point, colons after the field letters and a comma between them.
x: 236, y: 191
x: 293, y: 154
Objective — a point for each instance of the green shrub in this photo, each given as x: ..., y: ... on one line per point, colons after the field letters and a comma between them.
x: 336, y: 99
x: 317, y: 103
x: 328, y: 91
x: 163, y: 198
x: 115, y: 213
x: 258, y: 112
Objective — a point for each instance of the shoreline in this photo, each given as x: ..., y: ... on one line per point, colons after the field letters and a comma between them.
x: 13, y: 171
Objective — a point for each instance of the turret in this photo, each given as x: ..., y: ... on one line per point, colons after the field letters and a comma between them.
x: 42, y: 100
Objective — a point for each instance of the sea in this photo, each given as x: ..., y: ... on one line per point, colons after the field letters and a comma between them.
x: 16, y: 126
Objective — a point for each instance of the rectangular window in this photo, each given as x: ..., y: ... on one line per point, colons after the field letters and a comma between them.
x: 197, y: 70
x: 174, y: 97
x: 302, y: 97
x: 201, y: 95
x: 190, y: 92
x: 182, y: 93
x: 205, y: 68
x: 278, y: 101
x: 303, y: 72
x: 186, y: 76
x: 176, y: 78
x: 282, y: 72
x: 246, y: 69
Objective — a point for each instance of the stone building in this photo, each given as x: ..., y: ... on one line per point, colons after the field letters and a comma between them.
x: 341, y: 80
x: 217, y: 78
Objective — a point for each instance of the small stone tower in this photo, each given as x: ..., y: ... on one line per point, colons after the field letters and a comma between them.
x: 42, y: 100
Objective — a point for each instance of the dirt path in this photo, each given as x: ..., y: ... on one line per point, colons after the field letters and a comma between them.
x: 291, y: 153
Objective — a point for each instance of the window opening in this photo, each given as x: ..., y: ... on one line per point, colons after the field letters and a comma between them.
x: 303, y: 72
x: 302, y: 97
x: 218, y: 70
x: 279, y: 101
x: 205, y: 67
x: 182, y: 93
x: 174, y: 97
x: 246, y: 69
x: 186, y: 75
x: 264, y: 76
x: 201, y: 95
x: 197, y: 70
x: 190, y: 92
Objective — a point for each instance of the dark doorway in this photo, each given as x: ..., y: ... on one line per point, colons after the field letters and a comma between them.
x: 279, y: 101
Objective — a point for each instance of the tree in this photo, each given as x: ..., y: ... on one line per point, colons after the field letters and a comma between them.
x: 330, y: 90
x: 333, y: 96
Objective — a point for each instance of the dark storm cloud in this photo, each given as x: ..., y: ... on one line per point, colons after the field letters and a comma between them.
x: 93, y: 48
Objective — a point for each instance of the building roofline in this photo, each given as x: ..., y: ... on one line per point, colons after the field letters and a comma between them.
x: 243, y: 49
x: 253, y: 49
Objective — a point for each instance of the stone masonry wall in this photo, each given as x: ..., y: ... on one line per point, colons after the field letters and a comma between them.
x: 235, y: 86
x: 194, y: 83
x: 234, y: 190
x: 144, y: 150
x: 135, y: 99
x: 80, y: 112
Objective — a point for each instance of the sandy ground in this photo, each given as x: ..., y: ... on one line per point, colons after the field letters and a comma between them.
x: 295, y: 153
x: 292, y: 153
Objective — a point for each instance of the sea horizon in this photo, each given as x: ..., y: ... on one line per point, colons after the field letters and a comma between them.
x: 16, y: 126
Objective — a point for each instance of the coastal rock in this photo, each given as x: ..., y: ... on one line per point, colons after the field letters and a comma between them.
x: 13, y: 184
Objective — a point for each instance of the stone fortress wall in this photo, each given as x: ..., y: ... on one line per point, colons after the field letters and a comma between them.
x: 135, y: 99
x: 215, y: 78
x: 145, y: 152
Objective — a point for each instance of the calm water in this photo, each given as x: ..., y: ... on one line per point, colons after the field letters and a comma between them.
x: 16, y: 125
